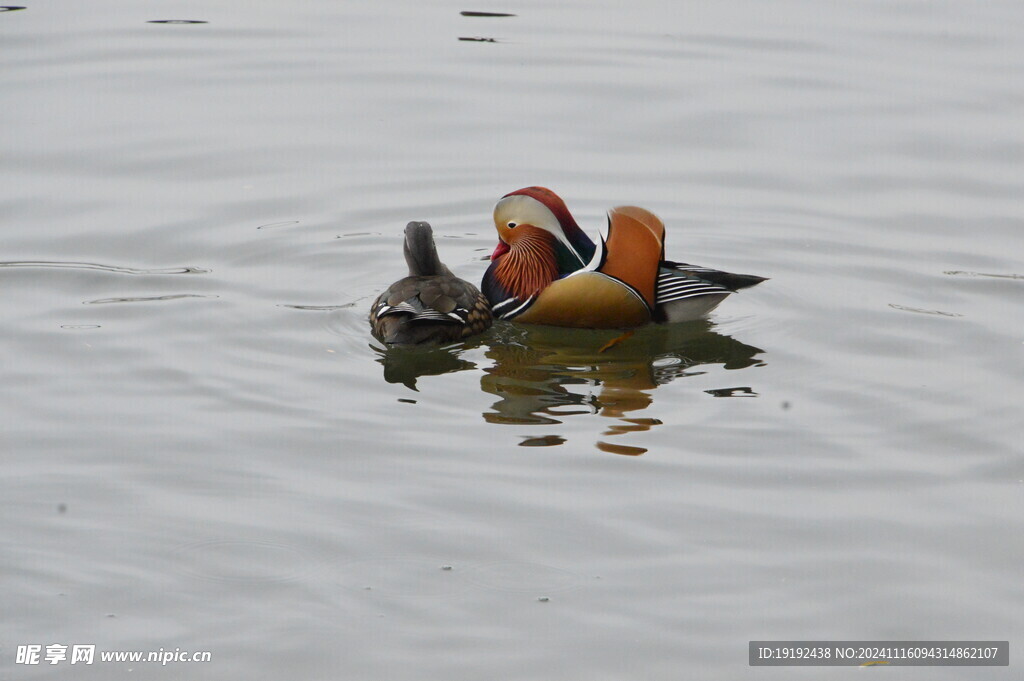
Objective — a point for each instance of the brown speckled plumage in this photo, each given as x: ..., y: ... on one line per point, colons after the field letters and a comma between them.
x: 431, y: 305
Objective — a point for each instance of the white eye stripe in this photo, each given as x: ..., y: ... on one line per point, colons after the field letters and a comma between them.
x: 518, y: 209
x: 526, y: 210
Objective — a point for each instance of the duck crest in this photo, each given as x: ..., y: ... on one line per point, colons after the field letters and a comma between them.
x: 529, y: 265
x: 580, y: 248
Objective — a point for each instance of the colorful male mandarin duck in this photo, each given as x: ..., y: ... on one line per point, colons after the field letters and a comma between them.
x: 431, y: 305
x: 545, y: 270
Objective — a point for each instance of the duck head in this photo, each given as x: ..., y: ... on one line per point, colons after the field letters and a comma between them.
x: 421, y: 253
x: 539, y: 242
x: 540, y: 208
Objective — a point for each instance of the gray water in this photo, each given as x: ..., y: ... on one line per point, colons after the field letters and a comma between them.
x: 203, y: 448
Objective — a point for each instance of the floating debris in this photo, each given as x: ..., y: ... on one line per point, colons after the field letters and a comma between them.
x: 477, y: 39
x: 177, y: 21
x: 10, y: 8
x: 485, y: 14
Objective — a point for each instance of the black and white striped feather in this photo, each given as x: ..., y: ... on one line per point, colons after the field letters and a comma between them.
x: 417, y: 312
x: 687, y: 292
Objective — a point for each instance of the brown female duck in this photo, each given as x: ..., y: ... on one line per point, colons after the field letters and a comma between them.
x: 431, y: 305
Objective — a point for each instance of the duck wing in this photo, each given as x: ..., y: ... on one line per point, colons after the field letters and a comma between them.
x: 418, y: 310
x: 617, y: 288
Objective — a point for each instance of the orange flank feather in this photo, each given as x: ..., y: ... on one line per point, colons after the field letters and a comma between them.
x: 634, y: 249
x: 529, y: 266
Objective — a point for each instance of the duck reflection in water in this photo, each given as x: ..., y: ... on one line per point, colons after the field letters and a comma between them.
x: 536, y: 368
x: 542, y: 375
x: 405, y: 364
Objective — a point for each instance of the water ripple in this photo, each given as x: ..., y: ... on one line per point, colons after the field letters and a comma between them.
x: 104, y: 268
x: 235, y: 560
x: 520, y: 576
x: 964, y: 273
x: 317, y: 307
x: 145, y: 299
x: 920, y: 310
x: 394, y: 576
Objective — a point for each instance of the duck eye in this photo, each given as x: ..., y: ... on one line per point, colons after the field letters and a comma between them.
x: 511, y: 225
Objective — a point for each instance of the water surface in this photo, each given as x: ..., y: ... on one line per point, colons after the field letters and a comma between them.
x: 204, y: 449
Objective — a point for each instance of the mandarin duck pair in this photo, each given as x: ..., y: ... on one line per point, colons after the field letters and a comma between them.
x: 545, y: 270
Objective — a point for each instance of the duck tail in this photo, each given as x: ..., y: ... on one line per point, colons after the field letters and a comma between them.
x: 731, y: 281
